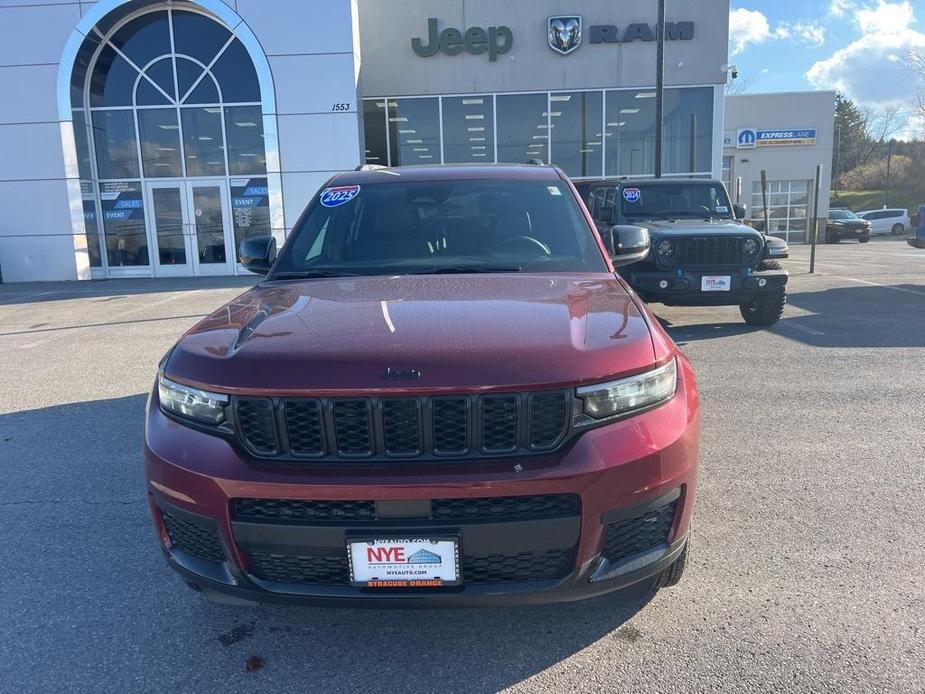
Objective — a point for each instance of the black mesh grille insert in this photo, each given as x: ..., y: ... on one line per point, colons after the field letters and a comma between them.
x: 712, y: 250
x: 523, y: 566
x: 255, y: 419
x: 646, y: 531
x: 499, y: 423
x: 461, y: 510
x: 351, y: 426
x: 507, y: 507
x: 401, y: 425
x: 290, y: 568
x: 193, y: 538
x: 548, y: 419
x: 292, y: 510
x: 304, y: 427
x: 490, y: 568
x: 451, y: 425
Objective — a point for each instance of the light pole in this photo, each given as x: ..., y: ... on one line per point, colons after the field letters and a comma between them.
x: 659, y: 84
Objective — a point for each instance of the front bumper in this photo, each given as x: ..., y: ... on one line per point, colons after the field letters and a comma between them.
x: 844, y: 232
x: 683, y: 287
x: 633, y: 484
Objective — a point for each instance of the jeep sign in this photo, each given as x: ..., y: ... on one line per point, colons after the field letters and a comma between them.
x: 475, y: 40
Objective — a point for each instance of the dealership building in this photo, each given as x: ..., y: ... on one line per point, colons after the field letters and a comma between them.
x: 145, y: 138
x: 785, y: 134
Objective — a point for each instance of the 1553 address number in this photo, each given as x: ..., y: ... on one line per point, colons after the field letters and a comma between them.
x: 341, y: 106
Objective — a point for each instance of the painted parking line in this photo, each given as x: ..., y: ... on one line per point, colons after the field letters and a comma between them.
x: 801, y: 328
x: 884, y: 286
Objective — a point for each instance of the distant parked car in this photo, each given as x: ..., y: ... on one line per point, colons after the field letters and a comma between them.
x: 845, y: 224
x: 918, y: 223
x: 887, y: 221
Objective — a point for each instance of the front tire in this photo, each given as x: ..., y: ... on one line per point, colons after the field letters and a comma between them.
x: 672, y: 575
x: 898, y: 229
x: 864, y: 239
x: 766, y: 308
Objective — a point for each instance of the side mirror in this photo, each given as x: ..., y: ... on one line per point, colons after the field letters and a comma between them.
x: 739, y: 211
x: 915, y: 220
x: 258, y: 253
x: 605, y: 214
x: 628, y: 244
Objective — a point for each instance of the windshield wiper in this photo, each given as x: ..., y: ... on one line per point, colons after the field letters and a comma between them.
x: 312, y: 274
x: 463, y: 269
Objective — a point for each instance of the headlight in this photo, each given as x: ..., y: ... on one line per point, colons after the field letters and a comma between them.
x: 664, y: 248
x: 605, y: 400
x: 192, y: 403
x: 750, y: 247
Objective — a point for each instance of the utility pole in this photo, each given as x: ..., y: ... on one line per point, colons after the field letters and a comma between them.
x: 889, y: 160
x: 659, y: 84
x: 837, y: 172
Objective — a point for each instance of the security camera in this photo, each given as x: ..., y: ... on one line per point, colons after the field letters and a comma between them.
x: 731, y: 70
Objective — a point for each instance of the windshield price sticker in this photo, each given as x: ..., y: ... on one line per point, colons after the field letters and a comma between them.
x: 333, y: 197
x: 632, y: 194
x: 722, y: 209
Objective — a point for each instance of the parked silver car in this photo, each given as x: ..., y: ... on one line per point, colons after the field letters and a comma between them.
x: 892, y: 220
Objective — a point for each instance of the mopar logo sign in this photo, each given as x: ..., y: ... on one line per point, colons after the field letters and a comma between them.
x: 749, y: 138
x: 745, y: 139
x: 564, y: 33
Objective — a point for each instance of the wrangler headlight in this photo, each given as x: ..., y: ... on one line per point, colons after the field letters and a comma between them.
x: 191, y: 403
x: 604, y: 400
x: 664, y: 248
x: 750, y: 247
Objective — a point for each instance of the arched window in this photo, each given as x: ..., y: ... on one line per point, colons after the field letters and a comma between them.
x: 166, y: 94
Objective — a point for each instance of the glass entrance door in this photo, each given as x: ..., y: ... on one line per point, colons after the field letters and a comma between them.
x: 190, y: 228
x: 211, y: 236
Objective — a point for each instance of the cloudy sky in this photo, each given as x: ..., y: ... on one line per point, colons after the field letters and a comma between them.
x: 855, y: 46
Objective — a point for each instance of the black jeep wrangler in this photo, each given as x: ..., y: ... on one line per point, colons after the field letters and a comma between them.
x: 701, y: 254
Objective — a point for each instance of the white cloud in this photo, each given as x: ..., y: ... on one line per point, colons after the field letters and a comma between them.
x: 871, y: 69
x: 839, y: 8
x: 749, y: 27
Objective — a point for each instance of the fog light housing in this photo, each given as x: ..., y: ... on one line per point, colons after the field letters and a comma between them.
x: 762, y: 282
x: 663, y: 284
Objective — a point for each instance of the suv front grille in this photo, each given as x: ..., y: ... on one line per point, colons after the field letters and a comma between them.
x: 402, y: 427
x: 711, y: 250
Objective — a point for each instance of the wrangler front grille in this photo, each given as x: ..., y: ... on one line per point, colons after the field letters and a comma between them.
x: 711, y: 250
x: 402, y: 427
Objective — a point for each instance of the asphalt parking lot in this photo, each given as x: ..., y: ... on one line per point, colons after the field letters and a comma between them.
x: 807, y: 568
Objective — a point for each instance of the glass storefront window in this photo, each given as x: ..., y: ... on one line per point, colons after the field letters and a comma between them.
x: 82, y: 140
x: 577, y: 135
x: 468, y: 129
x: 687, y: 144
x: 124, y: 223
x: 236, y: 75
x: 414, y: 131
x: 116, y: 144
x: 91, y: 223
x: 250, y: 209
x: 160, y: 142
x: 629, y: 121
x: 522, y: 127
x: 202, y: 141
x: 244, y: 131
x: 374, y: 131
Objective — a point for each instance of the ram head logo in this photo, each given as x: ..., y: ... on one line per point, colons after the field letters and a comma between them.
x: 564, y: 34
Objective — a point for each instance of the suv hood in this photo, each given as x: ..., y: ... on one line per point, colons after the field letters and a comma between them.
x: 688, y: 227
x: 459, y: 332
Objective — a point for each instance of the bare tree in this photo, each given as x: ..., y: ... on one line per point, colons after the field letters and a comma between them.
x: 880, y: 125
x: 739, y: 86
x: 915, y: 64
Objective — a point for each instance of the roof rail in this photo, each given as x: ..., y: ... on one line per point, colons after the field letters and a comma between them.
x: 370, y: 167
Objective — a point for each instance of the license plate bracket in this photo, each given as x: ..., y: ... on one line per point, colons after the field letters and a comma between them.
x: 404, y: 561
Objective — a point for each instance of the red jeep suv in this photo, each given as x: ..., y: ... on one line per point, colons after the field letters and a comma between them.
x: 440, y: 394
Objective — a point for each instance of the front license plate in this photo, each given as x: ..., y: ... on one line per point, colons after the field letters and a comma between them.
x: 716, y: 283
x: 407, y: 562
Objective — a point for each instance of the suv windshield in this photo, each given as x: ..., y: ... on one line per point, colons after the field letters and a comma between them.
x: 842, y: 214
x: 437, y: 227
x: 675, y: 201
